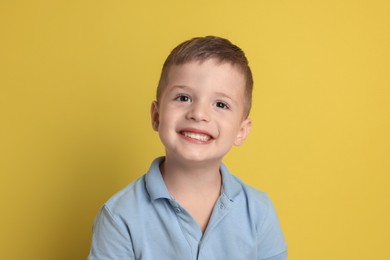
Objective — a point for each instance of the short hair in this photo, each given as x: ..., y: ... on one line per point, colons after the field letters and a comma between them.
x: 204, y: 48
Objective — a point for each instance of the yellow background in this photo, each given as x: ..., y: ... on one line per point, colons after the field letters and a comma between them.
x: 77, y: 79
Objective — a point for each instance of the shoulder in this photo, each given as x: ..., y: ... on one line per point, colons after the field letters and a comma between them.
x: 257, y: 203
x: 270, y: 238
x: 235, y: 189
x: 132, y: 194
x: 110, y: 237
x: 255, y: 197
x: 246, y: 198
x: 139, y: 193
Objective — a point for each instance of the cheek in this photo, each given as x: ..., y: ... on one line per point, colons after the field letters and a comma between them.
x: 227, y: 130
x: 233, y: 122
x: 167, y: 124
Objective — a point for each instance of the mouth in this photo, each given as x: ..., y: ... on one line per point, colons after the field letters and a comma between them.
x: 196, y: 135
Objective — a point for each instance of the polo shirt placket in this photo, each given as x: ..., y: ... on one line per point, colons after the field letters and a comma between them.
x: 190, y: 228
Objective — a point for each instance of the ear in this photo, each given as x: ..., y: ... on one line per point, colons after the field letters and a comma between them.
x: 154, y: 115
x: 243, y: 133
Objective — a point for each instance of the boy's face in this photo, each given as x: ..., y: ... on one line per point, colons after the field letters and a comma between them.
x: 200, y: 115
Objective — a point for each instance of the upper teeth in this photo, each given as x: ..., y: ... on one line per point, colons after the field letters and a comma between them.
x: 200, y: 137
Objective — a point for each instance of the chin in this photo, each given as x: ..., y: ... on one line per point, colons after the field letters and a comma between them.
x: 198, y: 159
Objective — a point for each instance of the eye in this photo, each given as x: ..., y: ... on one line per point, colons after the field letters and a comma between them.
x: 183, y: 98
x: 222, y: 105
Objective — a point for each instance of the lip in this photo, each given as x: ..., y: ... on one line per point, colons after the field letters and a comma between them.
x: 196, y: 131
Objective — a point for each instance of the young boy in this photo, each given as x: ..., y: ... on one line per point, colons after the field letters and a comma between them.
x: 188, y: 205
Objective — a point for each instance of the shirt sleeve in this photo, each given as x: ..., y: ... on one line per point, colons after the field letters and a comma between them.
x: 110, y: 239
x: 271, y: 242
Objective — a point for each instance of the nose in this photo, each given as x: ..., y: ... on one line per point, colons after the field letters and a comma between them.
x: 198, y: 112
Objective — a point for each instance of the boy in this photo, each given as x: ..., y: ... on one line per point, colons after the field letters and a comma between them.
x: 188, y: 205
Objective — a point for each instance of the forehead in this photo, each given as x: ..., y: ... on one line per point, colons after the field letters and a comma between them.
x: 211, y: 72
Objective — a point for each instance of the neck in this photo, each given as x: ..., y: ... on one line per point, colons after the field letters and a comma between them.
x: 187, y: 178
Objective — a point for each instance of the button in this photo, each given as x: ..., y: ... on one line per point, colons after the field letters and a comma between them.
x: 177, y: 210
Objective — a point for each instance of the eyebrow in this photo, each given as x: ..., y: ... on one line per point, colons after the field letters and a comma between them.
x: 184, y: 87
x: 223, y: 95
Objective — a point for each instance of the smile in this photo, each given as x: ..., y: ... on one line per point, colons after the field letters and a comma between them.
x: 197, y: 136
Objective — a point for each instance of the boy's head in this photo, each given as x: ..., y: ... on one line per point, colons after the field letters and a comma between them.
x: 210, y: 47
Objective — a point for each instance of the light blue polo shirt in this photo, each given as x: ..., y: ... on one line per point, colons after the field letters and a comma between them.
x: 143, y: 221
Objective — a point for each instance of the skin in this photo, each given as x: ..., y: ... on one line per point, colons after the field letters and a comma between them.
x: 199, y: 117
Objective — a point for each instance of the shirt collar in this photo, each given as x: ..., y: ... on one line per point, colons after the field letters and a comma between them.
x: 155, y: 184
x: 156, y: 187
x: 230, y: 186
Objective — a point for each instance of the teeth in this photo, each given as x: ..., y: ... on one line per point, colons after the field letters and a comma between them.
x: 199, y: 137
